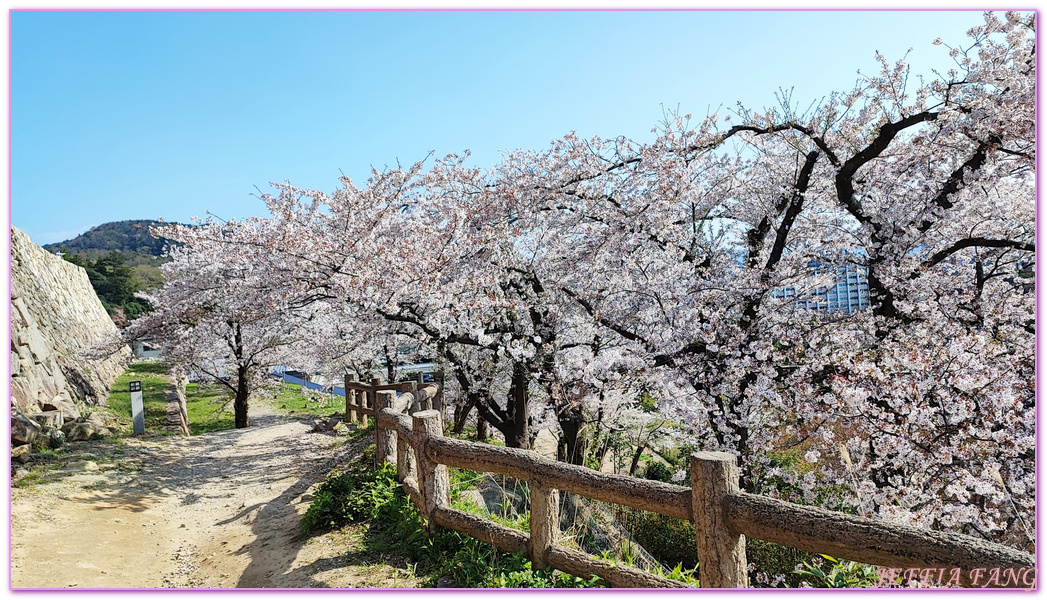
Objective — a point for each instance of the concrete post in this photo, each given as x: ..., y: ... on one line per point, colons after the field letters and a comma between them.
x: 385, y: 439
x: 721, y: 551
x: 137, y: 408
x: 432, y: 476
x: 412, y: 389
x: 350, y: 399
x: 405, y: 465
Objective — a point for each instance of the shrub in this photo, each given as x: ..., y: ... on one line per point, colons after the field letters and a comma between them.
x: 373, y: 496
x: 657, y: 471
x: 353, y: 496
x: 774, y: 565
x: 841, y: 574
x: 669, y: 540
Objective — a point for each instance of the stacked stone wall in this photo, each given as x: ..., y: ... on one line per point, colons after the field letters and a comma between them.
x: 55, y: 316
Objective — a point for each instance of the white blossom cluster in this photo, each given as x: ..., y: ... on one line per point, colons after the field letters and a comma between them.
x: 562, y: 285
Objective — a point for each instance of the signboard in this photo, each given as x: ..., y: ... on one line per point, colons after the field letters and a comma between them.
x: 137, y: 408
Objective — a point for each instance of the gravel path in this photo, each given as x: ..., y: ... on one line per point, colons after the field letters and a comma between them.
x: 210, y: 511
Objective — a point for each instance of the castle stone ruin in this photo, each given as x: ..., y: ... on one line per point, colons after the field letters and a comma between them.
x: 55, y: 315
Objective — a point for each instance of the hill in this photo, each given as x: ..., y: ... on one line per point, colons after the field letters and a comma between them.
x: 127, y: 237
x: 120, y: 258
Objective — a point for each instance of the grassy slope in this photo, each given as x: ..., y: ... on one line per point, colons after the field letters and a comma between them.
x: 153, y: 376
x: 209, y: 405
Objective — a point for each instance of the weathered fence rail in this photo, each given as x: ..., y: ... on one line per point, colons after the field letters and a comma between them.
x: 723, y: 515
x: 360, y: 396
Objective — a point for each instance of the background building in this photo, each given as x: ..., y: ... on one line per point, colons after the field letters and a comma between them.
x: 848, y: 292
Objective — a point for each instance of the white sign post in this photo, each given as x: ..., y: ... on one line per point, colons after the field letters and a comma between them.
x: 137, y: 408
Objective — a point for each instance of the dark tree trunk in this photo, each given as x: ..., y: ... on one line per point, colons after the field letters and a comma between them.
x: 240, y: 403
x: 390, y: 364
x: 461, y: 413
x: 636, y: 459
x: 243, y: 387
x: 512, y: 421
x: 570, y: 449
x: 515, y: 427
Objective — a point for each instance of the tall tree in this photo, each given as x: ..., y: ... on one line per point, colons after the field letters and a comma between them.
x: 584, y: 273
x: 220, y: 316
x: 682, y: 246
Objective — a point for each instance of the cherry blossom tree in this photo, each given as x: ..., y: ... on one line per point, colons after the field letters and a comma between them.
x: 682, y: 244
x: 561, y: 283
x: 218, y: 315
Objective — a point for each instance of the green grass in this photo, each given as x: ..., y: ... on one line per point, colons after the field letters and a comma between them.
x: 153, y: 376
x: 290, y: 399
x: 210, y: 408
x: 34, y: 477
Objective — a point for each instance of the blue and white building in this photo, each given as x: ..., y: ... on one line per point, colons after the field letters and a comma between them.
x: 849, y: 291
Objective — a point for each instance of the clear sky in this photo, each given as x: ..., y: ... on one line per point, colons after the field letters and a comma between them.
x: 139, y: 115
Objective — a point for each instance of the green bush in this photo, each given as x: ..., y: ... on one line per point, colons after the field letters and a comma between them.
x: 476, y: 564
x: 373, y: 497
x: 669, y: 540
x: 774, y: 564
x: 841, y: 574
x: 354, y: 496
x: 657, y: 471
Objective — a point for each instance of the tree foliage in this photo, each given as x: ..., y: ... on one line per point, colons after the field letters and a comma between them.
x: 562, y: 284
x: 128, y: 237
x: 115, y: 283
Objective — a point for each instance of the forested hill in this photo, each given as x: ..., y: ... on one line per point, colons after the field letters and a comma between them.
x: 120, y: 258
x: 128, y: 237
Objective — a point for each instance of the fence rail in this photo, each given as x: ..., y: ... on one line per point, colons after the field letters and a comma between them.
x: 360, y: 396
x: 723, y: 515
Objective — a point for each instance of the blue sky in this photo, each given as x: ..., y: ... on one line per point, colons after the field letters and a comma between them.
x: 133, y: 115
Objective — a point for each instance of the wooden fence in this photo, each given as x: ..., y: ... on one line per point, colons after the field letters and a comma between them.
x: 723, y: 514
x: 360, y: 396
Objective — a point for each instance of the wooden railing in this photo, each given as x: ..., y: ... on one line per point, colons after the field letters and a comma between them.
x: 723, y: 514
x: 360, y: 396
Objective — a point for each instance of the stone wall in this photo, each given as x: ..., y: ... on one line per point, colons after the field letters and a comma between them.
x: 55, y: 315
x: 177, y: 411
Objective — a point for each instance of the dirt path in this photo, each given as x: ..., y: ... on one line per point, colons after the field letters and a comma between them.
x: 210, y: 511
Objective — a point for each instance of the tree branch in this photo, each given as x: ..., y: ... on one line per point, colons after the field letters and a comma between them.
x: 941, y: 255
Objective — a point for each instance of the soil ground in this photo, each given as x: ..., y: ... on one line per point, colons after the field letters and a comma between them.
x: 218, y: 510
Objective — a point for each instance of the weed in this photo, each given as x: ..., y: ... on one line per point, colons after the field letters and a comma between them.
x: 30, y: 479
x: 360, y: 494
x: 841, y: 573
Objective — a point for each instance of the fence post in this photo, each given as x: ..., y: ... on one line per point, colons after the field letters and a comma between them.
x: 350, y: 396
x: 721, y: 551
x: 385, y: 439
x: 405, y: 466
x: 412, y: 388
x: 423, y: 403
x: 432, y: 477
x: 545, y: 523
x: 405, y: 463
x: 438, y: 401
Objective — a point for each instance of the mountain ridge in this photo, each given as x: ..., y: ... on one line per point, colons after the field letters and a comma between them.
x: 128, y: 237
